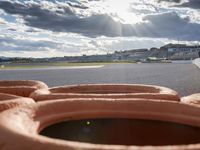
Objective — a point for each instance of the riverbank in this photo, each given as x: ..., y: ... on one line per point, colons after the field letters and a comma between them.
x: 77, y: 65
x: 57, y: 65
x: 197, y: 62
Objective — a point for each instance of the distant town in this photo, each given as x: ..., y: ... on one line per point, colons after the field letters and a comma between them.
x: 165, y: 53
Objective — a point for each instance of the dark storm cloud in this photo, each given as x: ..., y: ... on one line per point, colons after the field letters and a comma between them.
x: 32, y: 9
x: 164, y: 25
x: 171, y: 25
x: 175, y: 1
x: 93, y: 25
x: 78, y: 6
x: 194, y: 4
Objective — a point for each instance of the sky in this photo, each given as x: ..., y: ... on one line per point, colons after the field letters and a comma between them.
x: 57, y: 28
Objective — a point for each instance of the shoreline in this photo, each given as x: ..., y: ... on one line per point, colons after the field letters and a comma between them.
x: 54, y: 67
x: 57, y: 65
x: 64, y: 65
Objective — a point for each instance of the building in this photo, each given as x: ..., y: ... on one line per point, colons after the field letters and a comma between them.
x: 180, y: 48
x: 181, y: 51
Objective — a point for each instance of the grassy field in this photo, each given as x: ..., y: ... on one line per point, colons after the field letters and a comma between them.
x: 57, y: 64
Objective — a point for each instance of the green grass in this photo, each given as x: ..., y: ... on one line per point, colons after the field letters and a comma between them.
x: 57, y: 64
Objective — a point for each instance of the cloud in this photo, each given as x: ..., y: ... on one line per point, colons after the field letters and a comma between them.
x: 51, y: 17
x: 9, y: 43
x: 93, y: 25
x: 175, y: 1
x: 21, y: 45
x: 36, y: 9
x: 171, y: 25
x: 126, y: 44
x: 2, y: 21
x: 194, y: 4
x: 142, y: 8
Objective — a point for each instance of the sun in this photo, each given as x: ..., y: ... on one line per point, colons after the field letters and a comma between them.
x: 122, y: 9
x: 119, y: 6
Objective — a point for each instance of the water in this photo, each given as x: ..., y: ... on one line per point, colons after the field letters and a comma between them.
x: 124, y: 132
x: 182, y: 77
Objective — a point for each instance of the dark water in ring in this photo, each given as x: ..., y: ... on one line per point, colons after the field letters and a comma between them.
x: 124, y: 132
